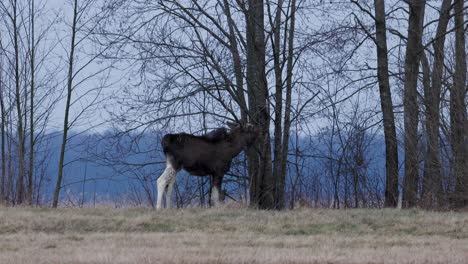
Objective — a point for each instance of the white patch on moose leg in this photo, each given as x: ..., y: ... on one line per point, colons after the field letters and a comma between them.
x: 170, y: 187
x: 163, y: 182
x: 161, y: 190
x: 215, y: 196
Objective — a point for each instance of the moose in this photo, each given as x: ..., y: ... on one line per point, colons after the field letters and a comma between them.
x: 207, y: 155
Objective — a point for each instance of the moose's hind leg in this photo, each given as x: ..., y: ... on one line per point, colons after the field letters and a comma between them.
x: 216, y: 196
x: 170, y: 187
x: 164, y: 183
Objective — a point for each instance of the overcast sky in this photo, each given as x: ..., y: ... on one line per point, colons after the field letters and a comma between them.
x: 116, y: 79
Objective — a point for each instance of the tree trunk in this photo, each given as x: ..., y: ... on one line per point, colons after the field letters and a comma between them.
x: 391, y: 144
x: 277, y: 141
x: 410, y: 104
x: 9, y: 189
x: 67, y: 107
x: 260, y: 169
x: 21, y: 141
x: 458, y: 115
x: 3, y: 114
x: 31, y: 112
x: 432, y: 178
x: 287, y: 108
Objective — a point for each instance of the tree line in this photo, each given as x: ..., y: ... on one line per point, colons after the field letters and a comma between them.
x: 339, y: 73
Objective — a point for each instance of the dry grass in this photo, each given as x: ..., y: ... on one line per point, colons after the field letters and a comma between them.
x: 231, y: 236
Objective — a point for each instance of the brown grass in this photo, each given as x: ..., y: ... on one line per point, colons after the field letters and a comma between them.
x: 231, y: 236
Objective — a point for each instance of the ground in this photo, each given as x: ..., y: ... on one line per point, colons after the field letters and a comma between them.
x: 232, y: 236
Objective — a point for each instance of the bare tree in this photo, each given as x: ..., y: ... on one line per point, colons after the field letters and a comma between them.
x: 31, y: 104
x: 458, y: 115
x: 281, y: 145
x: 391, y: 144
x: 411, y: 109
x: 84, y: 17
x: 432, y: 95
x: 71, y: 57
x: 3, y: 129
x: 260, y: 167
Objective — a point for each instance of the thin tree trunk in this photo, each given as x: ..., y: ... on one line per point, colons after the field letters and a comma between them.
x: 287, y: 107
x: 391, y: 144
x: 3, y: 114
x: 277, y: 157
x: 298, y: 172
x: 67, y: 107
x: 410, y: 104
x: 9, y: 191
x: 458, y: 115
x: 432, y: 178
x: 21, y: 141
x: 356, y: 187
x: 31, y: 112
x: 236, y: 62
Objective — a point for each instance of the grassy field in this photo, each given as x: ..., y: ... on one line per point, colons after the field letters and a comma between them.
x: 231, y: 236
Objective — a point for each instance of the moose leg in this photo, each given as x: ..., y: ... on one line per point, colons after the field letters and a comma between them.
x: 216, y: 189
x: 170, y: 187
x: 163, y: 182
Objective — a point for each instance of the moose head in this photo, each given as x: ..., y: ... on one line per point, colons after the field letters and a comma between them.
x: 245, y: 132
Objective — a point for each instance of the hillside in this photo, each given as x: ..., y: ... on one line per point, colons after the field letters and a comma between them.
x: 231, y: 236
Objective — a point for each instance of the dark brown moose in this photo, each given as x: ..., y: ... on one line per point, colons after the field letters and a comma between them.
x: 207, y: 155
